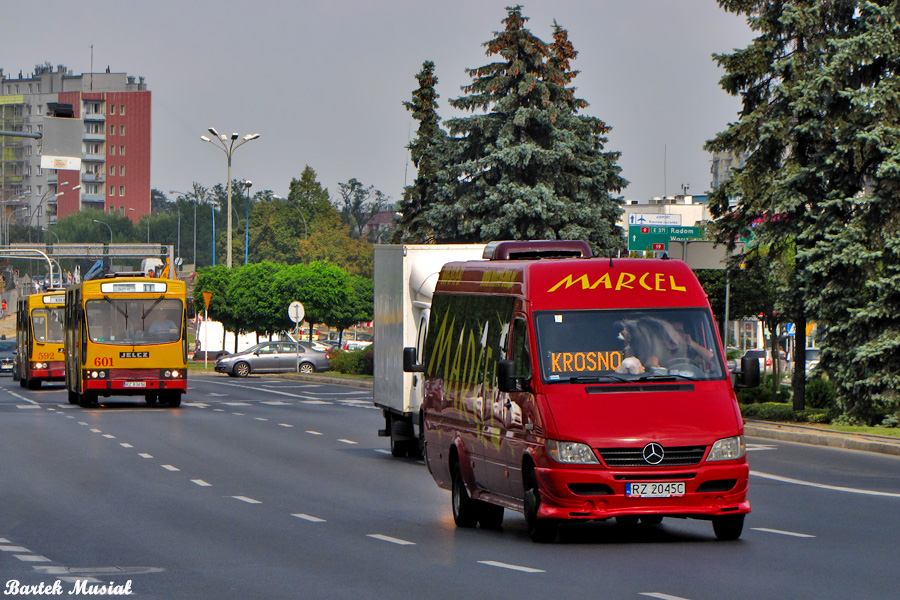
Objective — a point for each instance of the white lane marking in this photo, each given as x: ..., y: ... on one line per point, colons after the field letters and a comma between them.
x: 4, y: 541
x: 170, y: 468
x: 238, y: 414
x: 260, y: 419
x: 126, y: 445
x: 309, y: 518
x: 236, y: 403
x: 393, y: 540
x: 219, y: 409
x: 780, y: 532
x: 97, y: 430
x: 351, y: 442
x: 271, y: 391
x: 14, y: 549
x: 27, y: 406
x: 285, y: 425
x: 201, y: 483
x: 661, y: 596
x: 109, y: 436
x: 754, y: 447
x: 314, y: 402
x: 823, y: 486
x: 145, y: 455
x: 276, y: 403
x: 311, y: 432
x: 31, y: 558
x: 494, y: 563
x: 246, y: 499
x: 197, y: 404
x: 23, y: 398
x: 82, y: 423
x: 382, y: 451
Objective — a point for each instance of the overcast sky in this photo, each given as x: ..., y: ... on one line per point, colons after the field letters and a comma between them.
x: 323, y: 82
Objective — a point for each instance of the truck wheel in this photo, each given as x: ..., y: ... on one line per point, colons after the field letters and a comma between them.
x: 542, y: 531
x: 401, y: 445
x: 729, y: 527
x: 465, y: 511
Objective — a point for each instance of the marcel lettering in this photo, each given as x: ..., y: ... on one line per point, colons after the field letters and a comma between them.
x: 569, y: 362
x: 134, y: 355
x: 654, y: 282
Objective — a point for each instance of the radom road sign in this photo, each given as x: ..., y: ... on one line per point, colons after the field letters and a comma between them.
x: 657, y: 237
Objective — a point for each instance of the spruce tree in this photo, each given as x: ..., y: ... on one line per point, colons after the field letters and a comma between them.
x: 426, y: 153
x: 820, y: 126
x: 524, y: 165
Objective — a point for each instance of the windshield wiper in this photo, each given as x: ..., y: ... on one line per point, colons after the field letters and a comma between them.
x: 669, y: 377
x: 599, y: 379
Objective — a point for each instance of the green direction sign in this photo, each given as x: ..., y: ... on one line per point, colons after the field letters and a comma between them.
x: 656, y: 237
x: 648, y: 237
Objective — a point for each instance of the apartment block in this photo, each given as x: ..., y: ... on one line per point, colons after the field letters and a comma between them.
x: 115, y: 141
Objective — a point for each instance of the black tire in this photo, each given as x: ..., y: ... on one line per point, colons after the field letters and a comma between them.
x: 401, y: 446
x: 651, y: 519
x: 241, y: 369
x: 465, y: 511
x: 627, y: 520
x: 541, y: 531
x: 306, y: 367
x: 729, y: 527
x: 151, y: 398
x: 23, y: 383
x: 87, y: 400
x: 73, y: 397
x: 172, y: 399
x: 34, y: 384
x: 490, y: 516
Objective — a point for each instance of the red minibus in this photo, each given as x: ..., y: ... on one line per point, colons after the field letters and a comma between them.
x: 573, y: 388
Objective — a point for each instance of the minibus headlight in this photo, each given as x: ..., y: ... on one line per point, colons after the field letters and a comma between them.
x: 573, y: 453
x: 728, y: 449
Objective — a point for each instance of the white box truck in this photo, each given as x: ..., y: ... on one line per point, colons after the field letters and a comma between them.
x: 405, y: 276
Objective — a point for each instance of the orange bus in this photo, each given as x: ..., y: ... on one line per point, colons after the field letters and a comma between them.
x: 39, y: 338
x: 126, y: 336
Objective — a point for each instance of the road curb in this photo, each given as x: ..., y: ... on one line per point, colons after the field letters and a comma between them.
x: 305, y: 377
x: 818, y: 437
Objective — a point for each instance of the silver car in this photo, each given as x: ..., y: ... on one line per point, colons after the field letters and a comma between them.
x: 273, y: 357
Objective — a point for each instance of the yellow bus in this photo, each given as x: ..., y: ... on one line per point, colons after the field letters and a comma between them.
x: 126, y: 336
x: 40, y: 354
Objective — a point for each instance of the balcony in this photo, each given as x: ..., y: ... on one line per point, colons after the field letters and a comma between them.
x: 93, y: 199
x: 94, y: 117
x: 93, y: 177
x: 94, y: 137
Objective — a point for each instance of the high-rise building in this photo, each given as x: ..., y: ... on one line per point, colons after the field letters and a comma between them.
x: 115, y: 141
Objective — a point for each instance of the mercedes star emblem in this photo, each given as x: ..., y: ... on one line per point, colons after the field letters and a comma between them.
x: 653, y: 453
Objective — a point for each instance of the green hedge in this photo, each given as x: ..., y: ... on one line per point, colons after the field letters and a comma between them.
x: 775, y: 411
x: 354, y: 362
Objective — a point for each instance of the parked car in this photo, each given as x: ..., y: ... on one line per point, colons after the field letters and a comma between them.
x: 354, y: 345
x: 812, y: 359
x: 7, y: 356
x: 273, y: 357
x: 213, y: 354
x: 315, y: 346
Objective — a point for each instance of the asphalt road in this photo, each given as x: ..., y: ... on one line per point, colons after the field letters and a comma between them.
x: 268, y: 488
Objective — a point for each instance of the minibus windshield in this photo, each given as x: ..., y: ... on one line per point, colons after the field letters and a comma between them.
x: 601, y: 346
x: 134, y: 321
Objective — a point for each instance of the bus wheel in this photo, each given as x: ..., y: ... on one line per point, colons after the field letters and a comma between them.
x: 34, y: 384
x: 23, y: 382
x: 173, y: 399
x: 151, y: 398
x: 241, y: 369
x: 73, y: 397
x: 87, y: 400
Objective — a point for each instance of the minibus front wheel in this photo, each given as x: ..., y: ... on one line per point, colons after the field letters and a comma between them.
x: 465, y: 510
x: 542, y: 531
x: 728, y: 527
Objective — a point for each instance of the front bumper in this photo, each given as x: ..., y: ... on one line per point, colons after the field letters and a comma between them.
x: 579, y: 493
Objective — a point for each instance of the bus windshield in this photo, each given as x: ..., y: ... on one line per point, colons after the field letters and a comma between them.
x: 47, y: 324
x: 578, y: 346
x: 134, y: 321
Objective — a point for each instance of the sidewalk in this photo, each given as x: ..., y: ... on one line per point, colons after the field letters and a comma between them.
x: 820, y: 437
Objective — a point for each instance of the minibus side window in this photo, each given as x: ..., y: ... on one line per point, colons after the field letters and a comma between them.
x: 520, y: 354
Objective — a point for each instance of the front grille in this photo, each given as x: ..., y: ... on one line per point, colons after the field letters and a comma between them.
x: 678, y: 456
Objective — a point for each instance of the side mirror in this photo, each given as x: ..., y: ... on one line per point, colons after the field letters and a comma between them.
x: 507, y: 378
x: 749, y: 372
x: 409, y: 361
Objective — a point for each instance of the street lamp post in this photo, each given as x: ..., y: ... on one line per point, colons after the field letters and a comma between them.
x: 247, y: 183
x: 228, y: 145
x: 107, y: 226
x: 45, y: 230
x: 107, y: 248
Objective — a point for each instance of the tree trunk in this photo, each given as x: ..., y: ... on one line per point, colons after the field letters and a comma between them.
x: 798, y: 382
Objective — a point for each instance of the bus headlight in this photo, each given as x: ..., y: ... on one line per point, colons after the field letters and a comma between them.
x: 574, y: 453
x: 39, y: 365
x: 172, y: 374
x: 727, y: 449
x: 96, y: 374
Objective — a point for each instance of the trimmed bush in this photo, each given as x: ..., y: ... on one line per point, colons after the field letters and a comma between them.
x: 820, y: 393
x: 354, y: 362
x: 773, y: 411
